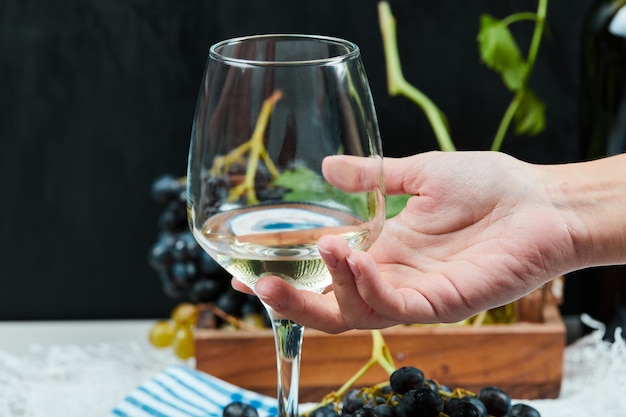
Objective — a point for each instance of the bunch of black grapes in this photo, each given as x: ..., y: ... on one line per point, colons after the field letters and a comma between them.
x: 409, y: 394
x: 185, y: 270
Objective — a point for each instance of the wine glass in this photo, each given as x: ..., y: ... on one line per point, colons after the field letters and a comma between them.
x: 270, y: 109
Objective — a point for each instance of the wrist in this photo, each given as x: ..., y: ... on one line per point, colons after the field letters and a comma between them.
x: 591, y: 198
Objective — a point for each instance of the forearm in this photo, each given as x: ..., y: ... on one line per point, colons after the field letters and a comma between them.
x: 592, y: 198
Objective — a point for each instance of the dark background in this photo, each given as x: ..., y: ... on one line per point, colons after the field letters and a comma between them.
x: 97, y: 98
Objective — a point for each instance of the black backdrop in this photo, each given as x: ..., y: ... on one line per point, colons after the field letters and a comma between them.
x: 97, y: 97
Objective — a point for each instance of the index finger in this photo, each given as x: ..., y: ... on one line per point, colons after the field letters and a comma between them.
x: 354, y: 173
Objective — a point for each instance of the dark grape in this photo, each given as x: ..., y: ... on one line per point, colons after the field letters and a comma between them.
x: 385, y: 389
x: 482, y: 410
x: 365, y: 412
x: 170, y: 288
x: 423, y: 402
x: 239, y: 409
x: 325, y: 411
x: 436, y: 386
x: 432, y: 384
x: 206, y: 290
x: 523, y: 410
x: 215, y: 189
x: 208, y: 265
x: 185, y: 270
x: 230, y: 302
x: 268, y: 194
x: 184, y: 273
x: 352, y: 401
x: 449, y: 404
x: 185, y: 247
x: 166, y: 188
x: 251, y: 305
x: 384, y: 410
x: 173, y: 218
x: 497, y: 402
x: 160, y: 256
x: 465, y: 409
x: 406, y: 378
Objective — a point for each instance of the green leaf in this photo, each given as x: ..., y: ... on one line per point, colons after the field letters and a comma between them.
x: 530, y: 117
x: 300, y: 179
x: 500, y: 52
x: 304, y: 184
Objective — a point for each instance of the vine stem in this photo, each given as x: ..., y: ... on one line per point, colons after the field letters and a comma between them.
x: 381, y: 355
x: 397, y: 84
x: 540, y: 19
x: 507, y: 118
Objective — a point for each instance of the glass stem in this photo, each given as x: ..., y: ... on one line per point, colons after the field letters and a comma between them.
x: 288, y: 339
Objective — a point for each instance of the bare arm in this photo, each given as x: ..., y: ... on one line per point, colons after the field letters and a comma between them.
x: 592, y: 196
x: 482, y: 229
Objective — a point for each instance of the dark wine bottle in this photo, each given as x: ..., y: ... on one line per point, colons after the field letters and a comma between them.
x: 603, y: 80
x: 603, y: 133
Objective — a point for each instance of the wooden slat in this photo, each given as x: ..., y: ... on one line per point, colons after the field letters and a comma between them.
x: 524, y: 358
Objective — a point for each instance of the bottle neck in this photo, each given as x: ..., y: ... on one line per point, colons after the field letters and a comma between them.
x: 607, y: 16
x: 603, y: 80
x: 617, y: 24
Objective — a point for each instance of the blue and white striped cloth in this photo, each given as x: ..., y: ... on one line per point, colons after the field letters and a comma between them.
x: 178, y: 391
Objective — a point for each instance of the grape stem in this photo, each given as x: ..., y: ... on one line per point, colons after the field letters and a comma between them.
x: 381, y: 355
x: 255, y: 149
x: 232, y: 320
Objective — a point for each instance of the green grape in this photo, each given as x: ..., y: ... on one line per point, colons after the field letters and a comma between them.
x: 185, y: 314
x: 254, y: 319
x: 183, y: 344
x: 161, y: 334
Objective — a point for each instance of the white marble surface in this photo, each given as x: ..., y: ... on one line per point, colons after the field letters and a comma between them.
x: 17, y: 337
x: 84, y: 368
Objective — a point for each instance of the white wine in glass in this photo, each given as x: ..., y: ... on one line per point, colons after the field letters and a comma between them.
x: 271, y: 108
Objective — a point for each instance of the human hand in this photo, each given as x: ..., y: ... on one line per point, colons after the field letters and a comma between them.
x: 481, y: 230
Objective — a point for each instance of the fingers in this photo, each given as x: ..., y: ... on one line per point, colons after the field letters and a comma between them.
x: 240, y: 286
x: 349, y: 271
x: 335, y: 252
x: 334, y: 312
x: 366, y: 299
x: 360, y: 299
x: 319, y: 311
x: 372, y: 290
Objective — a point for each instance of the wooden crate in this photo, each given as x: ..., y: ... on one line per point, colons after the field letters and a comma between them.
x: 524, y: 358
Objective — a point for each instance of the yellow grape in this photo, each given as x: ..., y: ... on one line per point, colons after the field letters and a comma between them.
x: 162, y: 333
x: 183, y: 344
x: 254, y: 319
x: 185, y: 314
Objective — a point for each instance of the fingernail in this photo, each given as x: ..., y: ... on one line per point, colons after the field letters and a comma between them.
x: 329, y: 258
x: 356, y: 271
x: 265, y: 299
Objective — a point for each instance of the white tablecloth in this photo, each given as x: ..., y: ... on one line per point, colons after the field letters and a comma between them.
x: 90, y: 380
